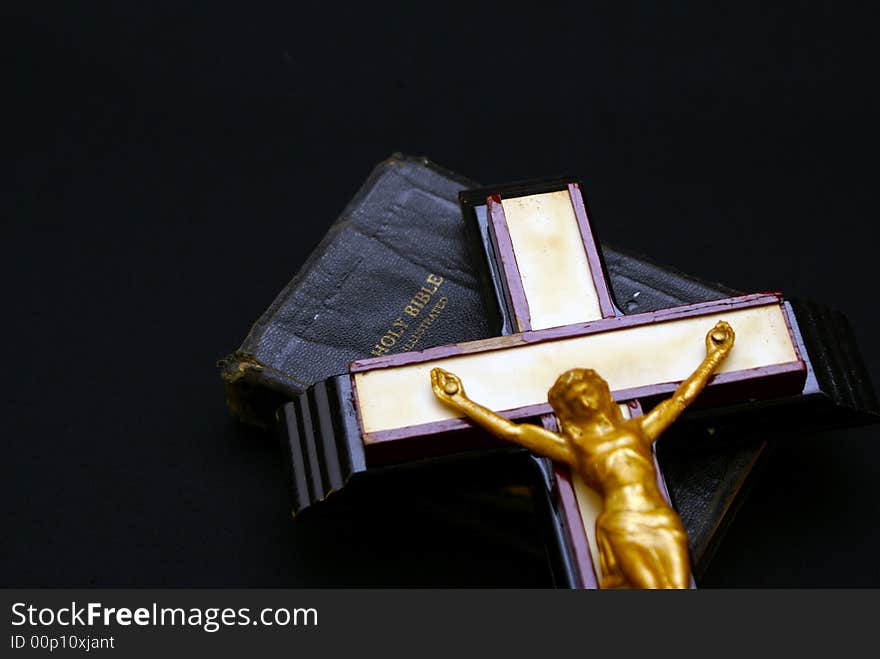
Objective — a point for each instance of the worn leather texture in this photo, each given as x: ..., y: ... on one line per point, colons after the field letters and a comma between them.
x: 403, y: 226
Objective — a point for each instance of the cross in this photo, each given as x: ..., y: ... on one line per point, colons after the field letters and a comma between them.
x: 556, y: 299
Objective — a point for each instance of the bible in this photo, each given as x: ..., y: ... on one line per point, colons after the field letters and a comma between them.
x: 399, y: 272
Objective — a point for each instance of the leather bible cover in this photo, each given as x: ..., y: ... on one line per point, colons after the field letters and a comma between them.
x: 402, y: 226
x: 355, y: 297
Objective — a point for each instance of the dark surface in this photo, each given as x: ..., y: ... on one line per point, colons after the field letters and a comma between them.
x: 173, y: 168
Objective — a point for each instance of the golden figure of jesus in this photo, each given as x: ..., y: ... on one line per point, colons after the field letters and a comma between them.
x: 642, y: 543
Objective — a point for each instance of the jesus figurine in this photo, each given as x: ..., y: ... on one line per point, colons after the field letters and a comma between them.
x: 641, y: 540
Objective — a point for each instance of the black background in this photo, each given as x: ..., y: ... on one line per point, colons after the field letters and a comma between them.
x: 173, y: 167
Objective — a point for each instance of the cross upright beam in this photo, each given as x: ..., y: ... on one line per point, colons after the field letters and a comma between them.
x: 552, y: 271
x: 556, y: 289
x: 555, y: 285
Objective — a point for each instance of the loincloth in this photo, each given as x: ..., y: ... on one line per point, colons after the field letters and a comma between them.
x: 643, y: 549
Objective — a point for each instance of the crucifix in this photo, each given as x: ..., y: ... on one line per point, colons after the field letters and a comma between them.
x: 556, y: 300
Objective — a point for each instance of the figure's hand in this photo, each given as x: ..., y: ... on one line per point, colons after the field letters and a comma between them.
x: 447, y: 386
x: 720, y: 338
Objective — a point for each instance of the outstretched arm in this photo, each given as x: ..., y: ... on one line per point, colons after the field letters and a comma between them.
x: 448, y: 388
x: 719, y: 342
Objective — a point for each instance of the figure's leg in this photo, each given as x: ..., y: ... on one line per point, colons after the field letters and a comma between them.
x: 649, y: 549
x: 639, y: 565
x: 673, y: 554
x: 611, y: 576
x: 658, y: 561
